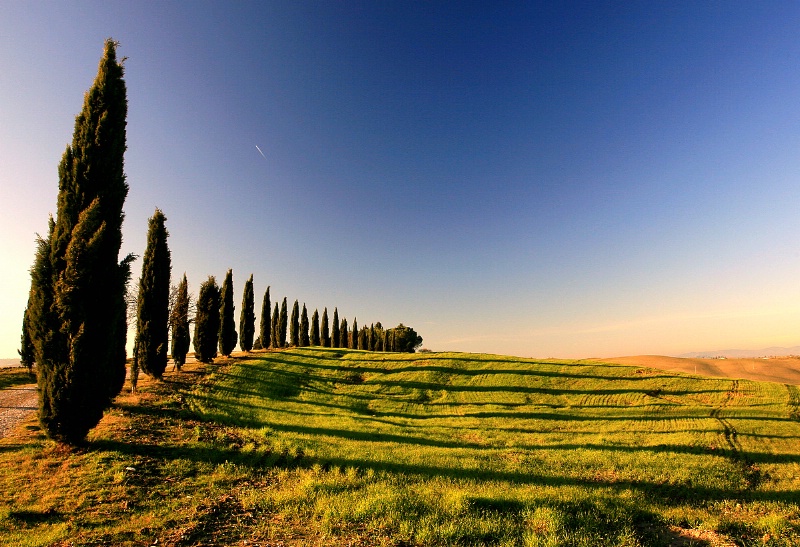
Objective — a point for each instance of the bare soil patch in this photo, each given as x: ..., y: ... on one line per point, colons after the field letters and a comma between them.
x: 16, y: 404
x: 783, y: 370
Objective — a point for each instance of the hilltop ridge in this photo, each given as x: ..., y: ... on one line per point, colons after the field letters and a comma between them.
x: 773, y: 351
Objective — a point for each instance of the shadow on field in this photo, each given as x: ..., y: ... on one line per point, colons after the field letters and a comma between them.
x: 597, y: 518
x: 259, y: 460
x: 34, y: 518
x: 315, y: 388
x: 332, y: 361
x: 240, y: 414
x: 298, y: 381
x: 667, y: 450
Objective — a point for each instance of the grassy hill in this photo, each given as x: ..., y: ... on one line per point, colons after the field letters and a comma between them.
x: 337, y: 447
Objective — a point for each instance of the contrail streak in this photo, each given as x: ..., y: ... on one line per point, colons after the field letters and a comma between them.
x: 260, y: 152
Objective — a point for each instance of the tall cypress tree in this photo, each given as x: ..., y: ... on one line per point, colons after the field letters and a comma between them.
x: 283, y: 324
x: 227, y: 327
x: 42, y: 323
x: 315, y: 329
x: 207, y: 321
x: 335, y: 342
x: 362, y: 339
x: 371, y: 338
x: 26, y: 356
x: 78, y: 323
x: 295, y: 325
x: 343, y: 337
x: 354, y: 337
x: 152, y: 316
x: 247, y: 317
x: 304, y: 341
x: 378, y: 336
x: 324, y: 332
x: 265, y: 330
x: 276, y: 322
x: 180, y: 324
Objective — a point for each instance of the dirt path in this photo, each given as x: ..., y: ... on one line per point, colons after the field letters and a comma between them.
x: 16, y: 404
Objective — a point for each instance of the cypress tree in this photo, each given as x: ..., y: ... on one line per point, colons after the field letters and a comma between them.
x: 343, y: 337
x: 276, y: 323
x: 227, y: 327
x: 78, y: 322
x: 42, y: 322
x: 26, y: 357
x: 378, y: 338
x: 324, y: 332
x: 304, y: 341
x: 284, y: 324
x: 207, y: 321
x: 265, y: 329
x: 247, y: 318
x: 315, y: 341
x: 371, y: 338
x: 362, y: 338
x: 152, y: 316
x: 180, y: 324
x: 295, y: 325
x: 135, y: 367
x: 335, y: 342
x: 354, y: 335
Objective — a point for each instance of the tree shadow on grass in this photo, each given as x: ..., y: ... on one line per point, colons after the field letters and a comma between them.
x: 279, y: 371
x: 667, y: 494
x: 524, y: 367
x: 608, y: 514
x: 33, y: 518
x: 286, y: 382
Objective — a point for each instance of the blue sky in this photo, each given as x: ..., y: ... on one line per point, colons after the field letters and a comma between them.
x: 566, y: 179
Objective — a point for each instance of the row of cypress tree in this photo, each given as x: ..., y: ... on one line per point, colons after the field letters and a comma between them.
x: 75, y: 324
x: 214, y: 326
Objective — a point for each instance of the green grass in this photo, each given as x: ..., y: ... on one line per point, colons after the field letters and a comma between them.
x: 15, y: 376
x: 338, y: 447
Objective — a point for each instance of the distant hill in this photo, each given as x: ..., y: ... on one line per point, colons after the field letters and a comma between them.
x: 9, y: 362
x: 744, y: 353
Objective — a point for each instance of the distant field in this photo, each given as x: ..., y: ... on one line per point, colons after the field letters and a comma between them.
x: 336, y: 447
x: 4, y: 363
x: 784, y: 370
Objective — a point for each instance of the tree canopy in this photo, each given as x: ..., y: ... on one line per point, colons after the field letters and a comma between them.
x: 77, y: 316
x: 152, y: 317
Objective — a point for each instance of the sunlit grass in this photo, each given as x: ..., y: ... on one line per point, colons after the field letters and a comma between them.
x: 527, y: 435
x: 15, y: 376
x: 338, y: 447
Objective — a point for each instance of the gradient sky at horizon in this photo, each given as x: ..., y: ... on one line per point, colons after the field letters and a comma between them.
x: 567, y: 179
